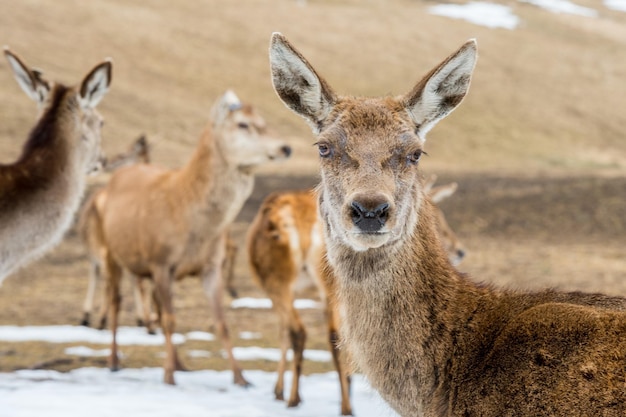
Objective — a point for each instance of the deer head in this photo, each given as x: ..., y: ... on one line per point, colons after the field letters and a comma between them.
x: 369, y: 147
x: 242, y: 133
x: 86, y: 149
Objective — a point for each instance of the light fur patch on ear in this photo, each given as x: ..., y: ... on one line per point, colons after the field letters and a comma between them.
x: 95, y: 85
x: 444, y: 89
x: 297, y: 84
x: 231, y: 101
x: 23, y: 75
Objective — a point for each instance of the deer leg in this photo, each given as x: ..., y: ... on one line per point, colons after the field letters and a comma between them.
x: 94, y: 277
x: 284, y: 345
x: 228, y: 268
x: 103, y: 313
x: 214, y: 287
x: 113, y: 274
x: 291, y: 332
x: 143, y: 303
x: 152, y: 298
x: 338, y: 359
x: 297, y: 335
x: 323, y: 276
x: 163, y: 288
x: 138, y: 296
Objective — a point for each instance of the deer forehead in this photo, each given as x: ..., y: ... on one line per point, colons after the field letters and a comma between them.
x: 248, y: 114
x: 367, y: 129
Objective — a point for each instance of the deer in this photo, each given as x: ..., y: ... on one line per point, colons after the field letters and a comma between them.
x: 138, y: 152
x: 87, y: 227
x: 284, y: 244
x: 165, y: 224
x: 41, y: 191
x: 430, y: 339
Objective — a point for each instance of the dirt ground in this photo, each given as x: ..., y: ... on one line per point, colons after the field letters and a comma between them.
x: 521, y: 232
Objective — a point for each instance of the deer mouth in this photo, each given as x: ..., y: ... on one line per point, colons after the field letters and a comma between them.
x: 361, y: 240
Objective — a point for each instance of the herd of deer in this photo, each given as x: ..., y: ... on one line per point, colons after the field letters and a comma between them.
x: 427, y: 337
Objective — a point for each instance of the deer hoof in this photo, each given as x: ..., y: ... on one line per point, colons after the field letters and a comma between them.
x: 293, y: 403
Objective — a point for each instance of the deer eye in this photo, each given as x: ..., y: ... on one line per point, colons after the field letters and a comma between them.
x: 243, y: 125
x: 414, y: 157
x: 324, y: 149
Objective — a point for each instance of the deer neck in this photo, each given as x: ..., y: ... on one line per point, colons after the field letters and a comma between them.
x: 219, y: 186
x: 400, y: 308
x: 40, y: 192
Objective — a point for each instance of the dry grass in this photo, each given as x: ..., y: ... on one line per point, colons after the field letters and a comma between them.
x: 546, y: 97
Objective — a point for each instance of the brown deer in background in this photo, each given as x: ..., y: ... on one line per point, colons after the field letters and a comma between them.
x: 41, y: 191
x: 87, y: 227
x: 428, y: 338
x: 138, y: 152
x: 284, y: 242
x: 166, y: 224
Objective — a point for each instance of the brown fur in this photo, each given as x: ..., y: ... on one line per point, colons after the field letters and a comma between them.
x: 284, y: 242
x: 87, y: 227
x: 167, y: 224
x: 41, y: 191
x: 429, y: 339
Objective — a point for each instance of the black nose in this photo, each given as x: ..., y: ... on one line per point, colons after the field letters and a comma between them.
x: 460, y: 253
x: 368, y: 219
x: 286, y: 150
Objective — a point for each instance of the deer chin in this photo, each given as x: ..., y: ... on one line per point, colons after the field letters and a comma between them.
x: 362, y: 241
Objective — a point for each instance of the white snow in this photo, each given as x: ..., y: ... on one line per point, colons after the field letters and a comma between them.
x: 97, y: 392
x: 71, y: 334
x: 249, y: 302
x: 480, y: 13
x: 249, y: 335
x: 562, y: 6
x: 619, y: 5
x: 137, y: 336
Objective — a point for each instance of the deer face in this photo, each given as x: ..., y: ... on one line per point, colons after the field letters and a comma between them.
x: 243, y: 134
x: 369, y: 148
x: 369, y: 154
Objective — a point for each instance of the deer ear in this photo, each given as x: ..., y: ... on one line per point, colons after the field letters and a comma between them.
x: 95, y: 85
x: 297, y: 84
x: 443, y: 89
x: 438, y: 194
x: 223, y: 106
x: 31, y: 80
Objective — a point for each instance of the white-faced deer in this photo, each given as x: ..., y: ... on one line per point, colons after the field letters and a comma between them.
x: 284, y: 242
x: 87, y: 225
x: 41, y: 191
x: 167, y: 224
x: 429, y: 339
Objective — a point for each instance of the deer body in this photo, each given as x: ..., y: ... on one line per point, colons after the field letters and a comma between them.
x: 430, y: 340
x: 285, y: 241
x: 164, y: 224
x: 88, y: 228
x: 41, y: 191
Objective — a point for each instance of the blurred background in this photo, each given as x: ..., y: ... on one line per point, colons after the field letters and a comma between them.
x: 538, y: 147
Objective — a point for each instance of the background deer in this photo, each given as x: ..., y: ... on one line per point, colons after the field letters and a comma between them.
x: 138, y: 152
x: 167, y: 224
x: 88, y: 228
x: 41, y: 191
x: 285, y: 244
x: 429, y: 339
